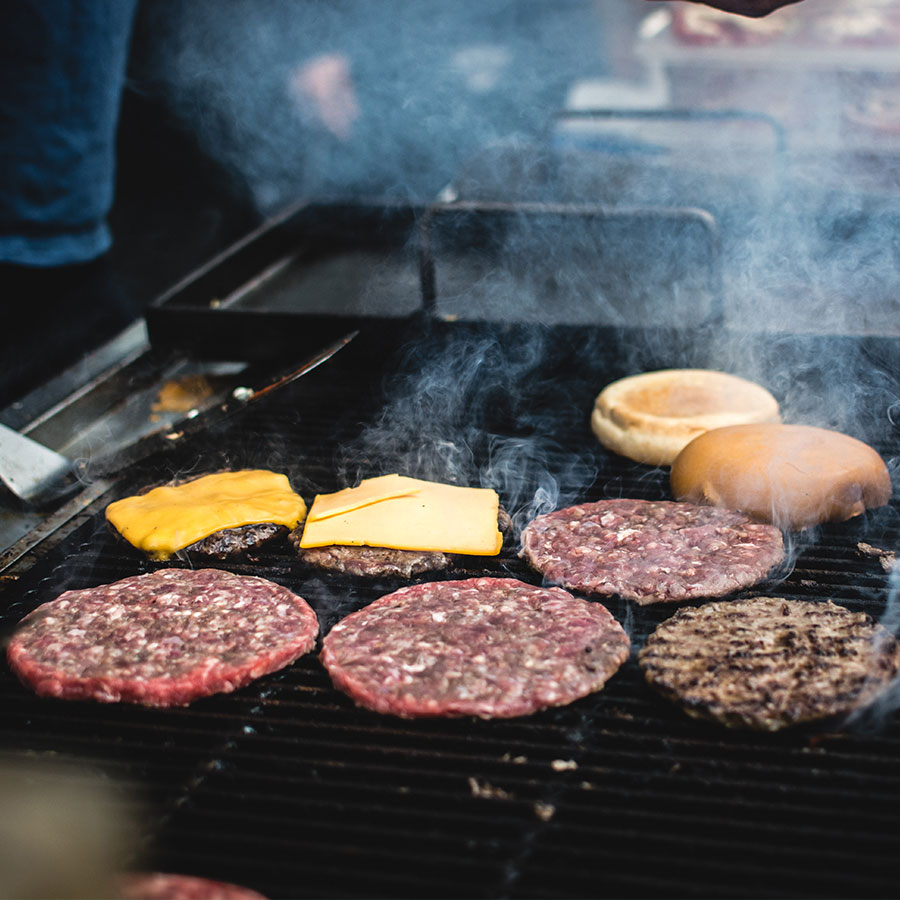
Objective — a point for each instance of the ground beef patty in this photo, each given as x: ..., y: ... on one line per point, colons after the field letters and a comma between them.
x: 164, y: 886
x: 651, y: 551
x: 488, y: 647
x: 767, y: 663
x: 162, y: 639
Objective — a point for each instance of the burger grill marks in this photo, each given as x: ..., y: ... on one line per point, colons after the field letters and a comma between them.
x: 767, y: 662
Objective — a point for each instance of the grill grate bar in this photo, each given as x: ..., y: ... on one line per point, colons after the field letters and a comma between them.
x: 623, y: 790
x: 808, y: 845
x: 698, y: 874
x: 615, y: 841
x: 342, y: 874
x: 668, y: 775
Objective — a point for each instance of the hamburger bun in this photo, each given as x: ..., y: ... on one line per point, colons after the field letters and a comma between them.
x: 794, y: 476
x: 650, y: 417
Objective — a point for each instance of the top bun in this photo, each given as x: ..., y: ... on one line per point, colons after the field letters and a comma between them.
x: 794, y: 476
x: 651, y: 417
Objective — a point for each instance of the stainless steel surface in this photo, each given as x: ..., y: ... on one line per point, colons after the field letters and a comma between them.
x: 110, y: 421
x: 33, y: 472
x: 24, y: 533
x: 243, y: 396
x: 107, y: 401
x: 58, y: 414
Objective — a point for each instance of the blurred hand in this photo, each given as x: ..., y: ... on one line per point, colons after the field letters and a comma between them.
x: 754, y: 8
x: 323, y: 89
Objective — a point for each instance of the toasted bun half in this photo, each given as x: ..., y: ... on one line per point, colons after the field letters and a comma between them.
x: 651, y: 417
x: 794, y: 476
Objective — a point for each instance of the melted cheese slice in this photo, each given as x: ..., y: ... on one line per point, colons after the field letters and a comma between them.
x: 171, y: 517
x: 407, y: 514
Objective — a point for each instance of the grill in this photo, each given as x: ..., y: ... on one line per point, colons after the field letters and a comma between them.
x: 286, y: 787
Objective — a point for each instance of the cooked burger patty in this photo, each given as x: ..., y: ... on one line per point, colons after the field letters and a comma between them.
x: 162, y: 639
x: 232, y: 542
x: 651, y: 551
x: 370, y: 561
x: 488, y: 647
x: 767, y: 663
x: 377, y: 562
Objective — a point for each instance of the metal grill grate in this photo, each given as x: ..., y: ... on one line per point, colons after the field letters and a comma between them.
x: 285, y: 786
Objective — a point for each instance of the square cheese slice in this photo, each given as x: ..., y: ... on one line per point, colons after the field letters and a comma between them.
x: 407, y: 514
x: 369, y: 491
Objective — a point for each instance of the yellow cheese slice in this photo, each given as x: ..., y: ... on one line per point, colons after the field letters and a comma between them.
x: 369, y: 491
x: 431, y: 516
x: 171, y: 517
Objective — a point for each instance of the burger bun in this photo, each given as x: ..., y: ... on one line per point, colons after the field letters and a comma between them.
x: 651, y: 417
x: 793, y: 476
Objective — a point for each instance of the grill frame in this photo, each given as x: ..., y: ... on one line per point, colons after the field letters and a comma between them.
x: 227, y: 309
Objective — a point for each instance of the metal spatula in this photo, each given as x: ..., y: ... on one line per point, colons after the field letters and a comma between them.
x: 38, y: 475
x: 33, y: 472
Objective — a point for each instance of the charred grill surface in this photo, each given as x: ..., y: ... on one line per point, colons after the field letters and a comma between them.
x: 287, y: 787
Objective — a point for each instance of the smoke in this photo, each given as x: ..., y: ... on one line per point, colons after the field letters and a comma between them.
x: 873, y: 718
x: 797, y: 246
x: 470, y: 412
x: 357, y: 98
x: 396, y: 99
x: 431, y: 93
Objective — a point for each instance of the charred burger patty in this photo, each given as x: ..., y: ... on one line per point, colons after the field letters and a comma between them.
x: 231, y: 542
x: 370, y: 561
x: 767, y: 663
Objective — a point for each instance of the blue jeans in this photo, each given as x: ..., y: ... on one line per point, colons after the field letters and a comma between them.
x: 62, y: 69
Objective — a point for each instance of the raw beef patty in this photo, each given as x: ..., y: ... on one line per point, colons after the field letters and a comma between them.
x: 488, y: 647
x: 765, y: 662
x: 651, y: 551
x: 162, y: 639
x: 163, y: 886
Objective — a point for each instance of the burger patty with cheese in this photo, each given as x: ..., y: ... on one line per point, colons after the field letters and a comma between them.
x: 218, y: 515
x: 393, y: 525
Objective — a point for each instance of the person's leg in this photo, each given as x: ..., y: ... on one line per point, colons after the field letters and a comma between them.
x: 62, y: 68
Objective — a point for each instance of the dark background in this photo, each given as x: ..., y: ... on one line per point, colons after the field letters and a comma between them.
x: 209, y: 147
